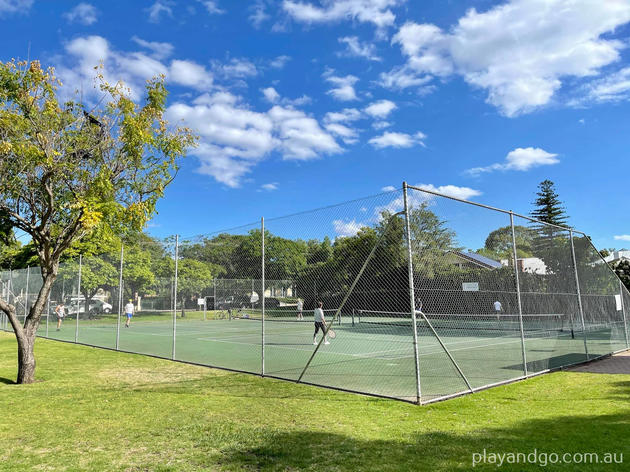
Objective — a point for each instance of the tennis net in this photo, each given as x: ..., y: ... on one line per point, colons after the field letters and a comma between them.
x: 466, y: 322
x: 287, y: 315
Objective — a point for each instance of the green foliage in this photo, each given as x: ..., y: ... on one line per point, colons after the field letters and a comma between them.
x: 498, y: 244
x: 193, y: 277
x: 66, y: 172
x: 622, y: 269
x: 549, y: 208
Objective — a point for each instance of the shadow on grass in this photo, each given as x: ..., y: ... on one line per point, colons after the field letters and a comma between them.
x: 6, y: 381
x: 438, y: 450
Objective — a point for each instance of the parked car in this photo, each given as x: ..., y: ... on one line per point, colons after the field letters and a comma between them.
x: 96, y: 307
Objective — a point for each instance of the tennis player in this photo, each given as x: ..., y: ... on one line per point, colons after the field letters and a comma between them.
x: 498, y: 308
x: 320, y: 323
x: 300, y: 307
x: 60, y: 311
x: 129, y: 312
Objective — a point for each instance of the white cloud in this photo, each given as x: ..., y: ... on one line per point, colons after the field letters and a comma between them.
x: 346, y: 229
x: 212, y: 7
x: 271, y: 95
x: 343, y: 89
x: 347, y: 115
x: 83, y: 13
x: 190, y: 74
x: 465, y: 193
x: 355, y: 48
x: 158, y: 50
x: 300, y: 137
x: 279, y: 62
x: 158, y: 8
x: 403, y: 77
x: 388, y: 188
x: 76, y: 68
x: 376, y: 12
x: 416, y: 198
x: 258, y: 14
x: 519, y: 52
x: 270, y: 186
x: 380, y: 109
x: 397, y: 140
x: 622, y: 237
x: 381, y: 125
x: 234, y: 139
x: 348, y: 135
x: 235, y: 68
x: 612, y: 88
x: 15, y: 6
x: 521, y: 159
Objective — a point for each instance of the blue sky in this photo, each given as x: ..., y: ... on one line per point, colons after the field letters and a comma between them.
x: 301, y: 104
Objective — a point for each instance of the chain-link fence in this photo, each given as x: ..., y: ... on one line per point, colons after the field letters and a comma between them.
x: 408, y: 294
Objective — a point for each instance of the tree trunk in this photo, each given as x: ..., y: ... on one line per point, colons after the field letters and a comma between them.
x: 26, y: 359
x: 26, y: 334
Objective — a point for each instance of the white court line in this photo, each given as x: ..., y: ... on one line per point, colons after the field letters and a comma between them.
x: 365, y: 355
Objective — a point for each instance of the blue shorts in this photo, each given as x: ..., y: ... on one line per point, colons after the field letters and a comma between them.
x: 129, y: 315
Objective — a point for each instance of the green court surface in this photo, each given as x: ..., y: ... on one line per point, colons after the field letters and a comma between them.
x: 370, y: 358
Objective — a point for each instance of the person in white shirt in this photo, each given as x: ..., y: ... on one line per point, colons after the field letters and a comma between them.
x: 320, y: 323
x: 300, y: 307
x: 498, y: 308
x: 60, y: 311
x: 129, y: 312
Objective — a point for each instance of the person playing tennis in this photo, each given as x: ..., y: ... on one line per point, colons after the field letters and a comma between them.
x: 60, y: 311
x: 129, y: 312
x: 300, y: 308
x: 498, y: 309
x: 320, y: 323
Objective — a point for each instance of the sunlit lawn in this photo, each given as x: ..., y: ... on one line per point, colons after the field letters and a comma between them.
x: 100, y: 410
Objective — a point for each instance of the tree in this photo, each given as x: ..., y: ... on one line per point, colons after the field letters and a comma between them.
x: 66, y: 171
x: 549, y: 208
x: 498, y: 244
x: 622, y: 269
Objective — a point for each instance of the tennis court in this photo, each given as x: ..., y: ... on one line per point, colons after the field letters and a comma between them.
x: 370, y: 353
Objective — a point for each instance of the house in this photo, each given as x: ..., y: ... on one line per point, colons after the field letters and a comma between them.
x: 617, y: 256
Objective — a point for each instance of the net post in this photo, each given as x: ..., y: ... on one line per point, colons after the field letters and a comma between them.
x: 518, y: 295
x: 28, y: 273
x: 623, y: 312
x: 579, y: 292
x: 76, y: 329
x: 120, y: 288
x: 412, y: 294
x: 262, y: 344
x: 175, y: 296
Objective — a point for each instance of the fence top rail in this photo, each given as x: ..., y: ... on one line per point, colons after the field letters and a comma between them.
x: 488, y: 207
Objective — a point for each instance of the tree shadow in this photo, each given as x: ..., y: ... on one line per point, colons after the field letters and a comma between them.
x: 437, y: 450
x: 6, y: 381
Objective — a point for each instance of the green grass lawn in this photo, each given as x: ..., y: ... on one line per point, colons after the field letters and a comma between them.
x: 100, y: 410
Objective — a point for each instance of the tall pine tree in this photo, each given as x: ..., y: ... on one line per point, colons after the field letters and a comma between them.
x: 551, y: 243
x: 548, y: 206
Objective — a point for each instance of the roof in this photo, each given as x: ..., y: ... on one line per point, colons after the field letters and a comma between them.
x: 478, y: 259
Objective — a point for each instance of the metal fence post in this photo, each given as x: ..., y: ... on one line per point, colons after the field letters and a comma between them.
x: 175, y: 295
x: 28, y: 273
x: 120, y: 288
x: 76, y: 329
x: 518, y: 295
x: 579, y: 293
x: 623, y: 312
x: 412, y: 294
x: 262, y: 226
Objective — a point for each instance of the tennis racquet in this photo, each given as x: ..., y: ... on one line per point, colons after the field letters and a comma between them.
x: 332, y: 334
